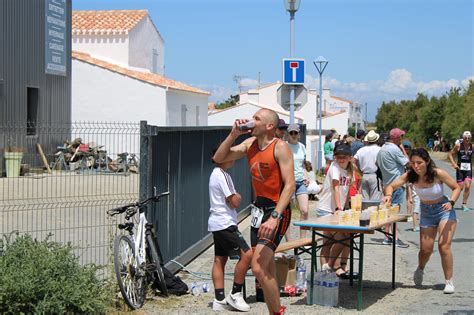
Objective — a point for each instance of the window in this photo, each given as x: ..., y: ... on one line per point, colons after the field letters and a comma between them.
x: 197, y: 116
x: 155, y: 61
x: 32, y: 103
x: 183, y: 114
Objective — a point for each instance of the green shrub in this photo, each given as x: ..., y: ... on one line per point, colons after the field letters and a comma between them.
x: 46, y: 277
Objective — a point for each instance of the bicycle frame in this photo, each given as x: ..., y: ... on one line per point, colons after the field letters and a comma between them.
x: 140, y: 240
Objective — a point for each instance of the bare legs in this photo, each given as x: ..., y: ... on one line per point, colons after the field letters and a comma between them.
x: 263, y: 267
x: 446, y: 231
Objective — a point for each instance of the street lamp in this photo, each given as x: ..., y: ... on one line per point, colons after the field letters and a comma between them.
x: 292, y: 6
x: 320, y: 63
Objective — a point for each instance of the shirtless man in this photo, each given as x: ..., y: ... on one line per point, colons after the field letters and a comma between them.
x: 271, y: 166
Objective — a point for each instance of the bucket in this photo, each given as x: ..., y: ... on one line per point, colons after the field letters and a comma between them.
x: 12, y: 163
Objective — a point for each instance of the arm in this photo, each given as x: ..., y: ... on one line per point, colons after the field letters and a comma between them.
x: 409, y: 194
x: 451, y: 155
x: 234, y: 200
x: 393, y: 186
x: 284, y: 157
x: 226, y: 152
x: 336, y: 194
x: 451, y: 183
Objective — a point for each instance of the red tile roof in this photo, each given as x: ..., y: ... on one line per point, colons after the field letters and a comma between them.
x: 116, y: 21
x: 147, y: 77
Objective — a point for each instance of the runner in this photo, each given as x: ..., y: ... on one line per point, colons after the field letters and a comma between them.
x: 463, y: 149
x: 272, y: 169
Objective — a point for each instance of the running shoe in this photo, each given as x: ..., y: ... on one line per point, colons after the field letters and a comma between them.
x: 417, y: 229
x: 401, y: 244
x: 237, y: 301
x: 418, y: 277
x: 449, y: 287
x: 465, y: 208
x: 387, y: 241
x: 220, y: 305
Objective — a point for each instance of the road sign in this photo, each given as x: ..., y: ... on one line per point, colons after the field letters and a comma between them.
x: 283, y: 96
x: 293, y: 71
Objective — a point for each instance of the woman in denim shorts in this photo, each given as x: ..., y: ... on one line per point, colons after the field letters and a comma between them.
x: 437, y: 213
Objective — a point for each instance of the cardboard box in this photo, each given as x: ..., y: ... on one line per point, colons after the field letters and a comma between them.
x: 285, y: 270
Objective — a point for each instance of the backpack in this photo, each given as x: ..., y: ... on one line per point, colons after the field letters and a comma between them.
x: 174, y: 284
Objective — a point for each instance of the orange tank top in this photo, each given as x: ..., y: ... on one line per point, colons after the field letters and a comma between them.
x: 265, y: 171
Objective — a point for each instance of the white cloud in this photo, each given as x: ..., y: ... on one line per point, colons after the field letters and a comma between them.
x: 218, y: 93
x: 399, y: 80
x: 247, y: 82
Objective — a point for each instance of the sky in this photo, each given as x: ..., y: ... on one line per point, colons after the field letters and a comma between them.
x: 378, y: 50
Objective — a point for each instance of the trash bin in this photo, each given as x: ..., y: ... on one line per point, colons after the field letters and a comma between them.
x: 12, y: 163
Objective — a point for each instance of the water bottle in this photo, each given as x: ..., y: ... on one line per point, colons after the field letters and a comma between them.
x: 195, y: 289
x: 205, y: 287
x: 301, y: 275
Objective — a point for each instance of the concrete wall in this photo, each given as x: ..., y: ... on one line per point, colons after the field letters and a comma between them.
x: 143, y: 39
x: 194, y: 105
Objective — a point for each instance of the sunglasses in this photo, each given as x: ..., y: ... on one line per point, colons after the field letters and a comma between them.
x: 293, y: 133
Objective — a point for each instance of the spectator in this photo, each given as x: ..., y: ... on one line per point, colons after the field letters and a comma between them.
x: 366, y: 159
x: 280, y: 132
x: 391, y: 161
x: 334, y: 198
x: 328, y: 150
x: 228, y: 241
x: 299, y: 157
x: 313, y: 187
x: 358, y: 142
x: 413, y: 201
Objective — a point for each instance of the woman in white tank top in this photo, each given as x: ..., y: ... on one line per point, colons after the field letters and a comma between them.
x: 437, y: 212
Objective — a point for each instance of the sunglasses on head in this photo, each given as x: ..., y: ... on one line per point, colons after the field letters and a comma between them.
x: 293, y: 133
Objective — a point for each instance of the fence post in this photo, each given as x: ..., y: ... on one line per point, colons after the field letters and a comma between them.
x: 145, y: 157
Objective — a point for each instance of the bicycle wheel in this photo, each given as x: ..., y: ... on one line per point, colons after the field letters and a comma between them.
x: 158, y: 273
x: 130, y: 277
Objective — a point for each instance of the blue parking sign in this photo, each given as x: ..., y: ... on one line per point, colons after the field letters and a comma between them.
x: 293, y: 71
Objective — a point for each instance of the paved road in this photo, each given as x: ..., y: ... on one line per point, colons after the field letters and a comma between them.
x: 433, y: 300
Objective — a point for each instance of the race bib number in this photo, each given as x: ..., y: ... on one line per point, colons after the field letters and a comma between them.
x: 257, y: 216
x: 465, y: 166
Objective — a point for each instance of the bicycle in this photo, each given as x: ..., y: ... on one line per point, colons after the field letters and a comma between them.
x: 137, y: 258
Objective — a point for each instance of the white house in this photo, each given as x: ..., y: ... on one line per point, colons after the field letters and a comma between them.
x: 125, y: 37
x: 116, y: 75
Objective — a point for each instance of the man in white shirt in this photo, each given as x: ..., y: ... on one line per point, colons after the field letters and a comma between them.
x: 365, y: 159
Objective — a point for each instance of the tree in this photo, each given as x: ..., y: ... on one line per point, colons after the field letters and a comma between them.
x: 231, y: 101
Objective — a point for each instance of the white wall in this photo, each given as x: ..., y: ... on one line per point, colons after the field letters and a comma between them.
x: 193, y: 101
x: 112, y: 48
x: 143, y: 39
x: 100, y: 94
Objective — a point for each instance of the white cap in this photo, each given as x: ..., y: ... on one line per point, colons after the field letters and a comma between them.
x: 466, y: 134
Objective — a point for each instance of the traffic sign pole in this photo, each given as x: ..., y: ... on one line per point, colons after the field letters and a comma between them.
x: 292, y: 52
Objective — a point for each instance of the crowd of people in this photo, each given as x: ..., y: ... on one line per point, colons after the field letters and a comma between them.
x: 382, y: 167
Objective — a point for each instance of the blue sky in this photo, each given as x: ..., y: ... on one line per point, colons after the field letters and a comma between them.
x: 378, y: 50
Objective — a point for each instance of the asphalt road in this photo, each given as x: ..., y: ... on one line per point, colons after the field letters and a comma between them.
x: 462, y: 302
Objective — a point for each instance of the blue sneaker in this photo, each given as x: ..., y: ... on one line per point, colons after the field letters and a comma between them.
x: 465, y: 208
x: 387, y: 241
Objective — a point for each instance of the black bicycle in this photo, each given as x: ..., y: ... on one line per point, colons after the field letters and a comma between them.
x: 137, y: 258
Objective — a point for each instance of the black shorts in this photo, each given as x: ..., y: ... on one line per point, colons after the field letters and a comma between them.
x: 274, y: 240
x: 229, y: 242
x: 461, y: 176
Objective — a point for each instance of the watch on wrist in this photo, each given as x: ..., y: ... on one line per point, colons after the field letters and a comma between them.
x: 276, y: 215
x: 452, y: 202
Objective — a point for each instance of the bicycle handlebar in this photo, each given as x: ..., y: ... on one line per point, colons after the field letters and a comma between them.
x: 139, y: 204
